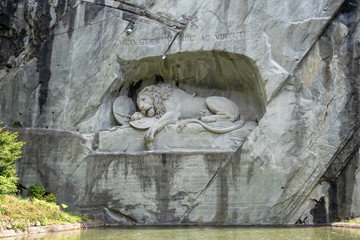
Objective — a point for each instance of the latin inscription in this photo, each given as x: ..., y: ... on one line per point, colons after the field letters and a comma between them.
x: 165, y: 40
x: 231, y: 35
x: 155, y: 41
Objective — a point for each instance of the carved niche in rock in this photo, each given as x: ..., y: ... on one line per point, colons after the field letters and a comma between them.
x: 163, y: 104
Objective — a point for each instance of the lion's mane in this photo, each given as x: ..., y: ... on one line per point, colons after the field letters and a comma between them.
x: 158, y: 94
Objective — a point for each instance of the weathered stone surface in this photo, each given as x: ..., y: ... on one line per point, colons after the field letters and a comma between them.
x: 90, y: 52
x: 290, y: 66
x: 192, y: 137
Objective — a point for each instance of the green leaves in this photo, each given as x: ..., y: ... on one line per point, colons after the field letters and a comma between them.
x: 10, y: 151
x: 37, y: 191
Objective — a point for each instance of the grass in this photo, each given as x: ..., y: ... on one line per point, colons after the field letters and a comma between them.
x: 354, y: 220
x: 21, y: 213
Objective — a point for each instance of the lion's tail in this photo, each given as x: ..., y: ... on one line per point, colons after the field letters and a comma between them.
x: 237, y: 125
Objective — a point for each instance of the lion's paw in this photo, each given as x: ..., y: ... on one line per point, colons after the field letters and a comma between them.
x: 149, y: 135
x: 149, y: 146
x: 181, y: 126
x: 136, y: 116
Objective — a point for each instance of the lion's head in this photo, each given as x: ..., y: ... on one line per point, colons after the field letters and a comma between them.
x: 150, y: 99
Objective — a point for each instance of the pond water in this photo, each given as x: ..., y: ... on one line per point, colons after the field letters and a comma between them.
x: 208, y: 233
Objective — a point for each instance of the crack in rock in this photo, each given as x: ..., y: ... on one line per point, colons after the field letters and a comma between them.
x: 126, y: 7
x: 352, y: 140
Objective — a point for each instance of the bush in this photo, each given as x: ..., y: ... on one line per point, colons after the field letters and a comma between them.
x: 10, y: 151
x: 51, y: 197
x: 37, y: 190
x: 22, y: 213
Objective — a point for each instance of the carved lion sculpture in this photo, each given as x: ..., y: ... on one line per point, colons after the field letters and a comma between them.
x: 169, y: 104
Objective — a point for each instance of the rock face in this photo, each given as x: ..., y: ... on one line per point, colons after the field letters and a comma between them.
x: 292, y: 68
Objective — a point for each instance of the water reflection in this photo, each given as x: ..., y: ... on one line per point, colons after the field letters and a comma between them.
x: 208, y: 233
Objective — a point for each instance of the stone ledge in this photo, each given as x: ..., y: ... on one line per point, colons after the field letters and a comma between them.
x: 346, y: 225
x: 194, y: 137
x: 50, y: 228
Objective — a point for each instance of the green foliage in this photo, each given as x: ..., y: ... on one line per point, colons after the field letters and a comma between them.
x: 37, y: 190
x: 22, y: 213
x: 10, y: 151
x: 51, y: 197
x: 19, y: 225
x: 354, y: 220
